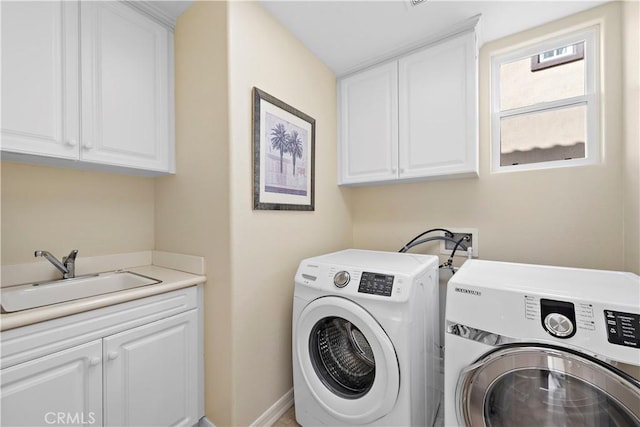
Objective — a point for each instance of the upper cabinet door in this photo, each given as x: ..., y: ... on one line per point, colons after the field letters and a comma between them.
x: 438, y: 110
x: 125, y: 87
x: 368, y: 114
x: 39, y: 78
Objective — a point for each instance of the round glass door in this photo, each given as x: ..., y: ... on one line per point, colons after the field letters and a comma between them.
x: 342, y: 357
x: 347, y: 360
x: 545, y: 386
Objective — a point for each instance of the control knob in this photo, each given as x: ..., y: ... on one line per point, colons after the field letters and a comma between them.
x: 341, y: 279
x: 558, y: 325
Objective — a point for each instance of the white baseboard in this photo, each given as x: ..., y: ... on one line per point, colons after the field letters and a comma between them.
x: 205, y: 422
x: 271, y: 415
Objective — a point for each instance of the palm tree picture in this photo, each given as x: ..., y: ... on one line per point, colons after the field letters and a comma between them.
x: 295, y: 148
x: 288, y: 140
x: 284, y: 145
x: 280, y: 140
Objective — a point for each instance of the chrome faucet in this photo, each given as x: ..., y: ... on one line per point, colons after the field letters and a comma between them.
x: 67, y: 266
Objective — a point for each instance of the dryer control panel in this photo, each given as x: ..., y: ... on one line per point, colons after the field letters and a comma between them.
x: 591, y: 311
x: 561, y: 319
x: 623, y: 328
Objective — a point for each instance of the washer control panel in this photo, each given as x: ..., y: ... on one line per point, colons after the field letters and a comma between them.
x: 623, y: 328
x: 558, y: 318
x: 376, y: 284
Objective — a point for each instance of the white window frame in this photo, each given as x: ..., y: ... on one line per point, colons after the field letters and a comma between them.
x: 589, y: 100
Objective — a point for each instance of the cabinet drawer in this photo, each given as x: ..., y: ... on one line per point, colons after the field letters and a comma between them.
x: 22, y: 344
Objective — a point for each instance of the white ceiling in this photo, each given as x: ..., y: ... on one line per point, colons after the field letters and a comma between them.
x: 348, y: 34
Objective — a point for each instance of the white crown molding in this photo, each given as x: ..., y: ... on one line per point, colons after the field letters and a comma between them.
x: 471, y: 24
x: 153, y: 11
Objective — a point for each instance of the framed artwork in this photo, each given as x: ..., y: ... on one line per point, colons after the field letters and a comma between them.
x: 283, y: 155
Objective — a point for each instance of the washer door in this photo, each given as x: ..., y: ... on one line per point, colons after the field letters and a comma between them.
x: 539, y: 385
x: 347, y: 360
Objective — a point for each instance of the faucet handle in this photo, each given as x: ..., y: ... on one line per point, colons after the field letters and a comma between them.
x: 67, y: 266
x: 69, y: 263
x: 71, y: 257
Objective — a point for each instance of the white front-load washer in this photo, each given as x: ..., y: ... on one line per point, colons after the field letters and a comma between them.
x: 365, y: 339
x: 529, y: 345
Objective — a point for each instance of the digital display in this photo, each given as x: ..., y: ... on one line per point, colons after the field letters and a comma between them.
x: 376, y: 284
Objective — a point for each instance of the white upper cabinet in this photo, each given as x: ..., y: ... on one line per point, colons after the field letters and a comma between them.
x: 89, y: 82
x: 369, y: 123
x: 40, y: 112
x: 438, y: 110
x: 413, y: 118
x: 125, y: 66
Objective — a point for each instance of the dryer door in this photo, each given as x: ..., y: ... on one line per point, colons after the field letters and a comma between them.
x: 540, y: 385
x: 347, y: 360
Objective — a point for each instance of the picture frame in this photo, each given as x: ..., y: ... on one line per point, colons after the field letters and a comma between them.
x: 283, y: 155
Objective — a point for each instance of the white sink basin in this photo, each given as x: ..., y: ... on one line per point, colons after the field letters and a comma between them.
x: 16, y: 298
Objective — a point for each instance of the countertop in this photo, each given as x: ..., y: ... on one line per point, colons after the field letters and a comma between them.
x: 171, y: 280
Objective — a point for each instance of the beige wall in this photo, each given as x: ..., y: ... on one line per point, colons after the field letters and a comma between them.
x: 192, y: 207
x: 570, y: 216
x: 206, y: 208
x: 268, y: 245
x: 631, y: 100
x: 59, y: 210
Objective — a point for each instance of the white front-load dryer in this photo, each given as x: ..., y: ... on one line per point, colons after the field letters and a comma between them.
x: 531, y: 345
x: 365, y: 339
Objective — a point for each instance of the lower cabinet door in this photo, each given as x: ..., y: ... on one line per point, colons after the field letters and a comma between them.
x: 150, y: 374
x: 63, y: 388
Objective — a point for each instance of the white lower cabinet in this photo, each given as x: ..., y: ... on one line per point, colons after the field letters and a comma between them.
x: 150, y: 374
x: 63, y: 388
x: 147, y: 375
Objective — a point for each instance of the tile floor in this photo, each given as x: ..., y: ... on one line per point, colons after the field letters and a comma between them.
x: 288, y: 419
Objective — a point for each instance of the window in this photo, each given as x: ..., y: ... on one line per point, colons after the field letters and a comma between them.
x: 559, y: 56
x: 543, y: 107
